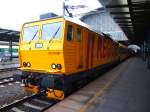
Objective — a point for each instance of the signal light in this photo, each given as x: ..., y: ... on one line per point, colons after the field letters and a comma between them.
x: 24, y: 64
x: 59, y: 66
x: 56, y: 66
x: 28, y: 64
x: 53, y: 66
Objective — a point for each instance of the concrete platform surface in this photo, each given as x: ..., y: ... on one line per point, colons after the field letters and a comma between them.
x: 126, y: 88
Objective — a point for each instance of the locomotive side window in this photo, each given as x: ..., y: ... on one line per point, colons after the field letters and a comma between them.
x: 70, y: 33
x: 30, y: 33
x: 78, y: 34
x: 51, y: 31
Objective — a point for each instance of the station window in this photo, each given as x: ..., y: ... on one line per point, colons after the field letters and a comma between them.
x: 78, y: 34
x: 70, y: 33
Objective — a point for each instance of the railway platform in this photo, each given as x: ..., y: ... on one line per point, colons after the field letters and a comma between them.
x: 125, y: 88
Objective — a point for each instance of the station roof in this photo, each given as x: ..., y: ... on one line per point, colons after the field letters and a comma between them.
x: 132, y: 16
x: 9, y: 35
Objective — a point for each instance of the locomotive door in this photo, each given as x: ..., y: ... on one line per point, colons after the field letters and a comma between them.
x: 79, y: 38
x: 90, y: 51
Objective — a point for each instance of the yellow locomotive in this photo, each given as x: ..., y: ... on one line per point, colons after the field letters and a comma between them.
x: 57, y: 53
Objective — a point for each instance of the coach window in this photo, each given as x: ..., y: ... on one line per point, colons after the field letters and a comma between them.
x: 70, y: 33
x: 78, y: 34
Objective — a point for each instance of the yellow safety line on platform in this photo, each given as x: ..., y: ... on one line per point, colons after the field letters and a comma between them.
x: 100, y: 92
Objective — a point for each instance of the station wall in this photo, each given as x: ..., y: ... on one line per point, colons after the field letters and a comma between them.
x: 103, y: 22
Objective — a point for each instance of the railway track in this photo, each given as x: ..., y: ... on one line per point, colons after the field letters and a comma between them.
x: 6, y: 80
x: 10, y: 78
x: 8, y: 69
x: 34, y: 103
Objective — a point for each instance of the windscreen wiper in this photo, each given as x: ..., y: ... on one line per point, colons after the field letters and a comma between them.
x: 55, y: 34
x: 34, y: 36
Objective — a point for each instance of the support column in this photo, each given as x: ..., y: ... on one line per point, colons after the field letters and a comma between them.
x: 10, y: 48
x: 148, y: 49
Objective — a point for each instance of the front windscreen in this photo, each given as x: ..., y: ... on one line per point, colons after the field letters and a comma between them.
x: 51, y: 31
x: 30, y: 33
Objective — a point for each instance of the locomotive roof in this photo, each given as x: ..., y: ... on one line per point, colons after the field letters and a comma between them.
x: 76, y: 21
x: 79, y: 22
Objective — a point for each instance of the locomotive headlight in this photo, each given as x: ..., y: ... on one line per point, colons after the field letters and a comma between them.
x: 24, y: 64
x: 53, y: 66
x: 59, y: 66
x: 28, y: 64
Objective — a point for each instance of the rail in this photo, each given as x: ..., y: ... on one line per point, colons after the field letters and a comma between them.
x: 6, y: 80
x: 29, y: 103
x: 8, y: 69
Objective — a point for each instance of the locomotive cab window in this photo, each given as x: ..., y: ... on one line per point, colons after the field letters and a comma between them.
x: 70, y: 33
x: 51, y: 31
x: 30, y: 33
x: 78, y: 34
